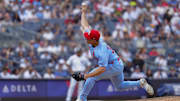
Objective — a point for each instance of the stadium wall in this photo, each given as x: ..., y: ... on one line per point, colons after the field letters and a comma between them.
x: 55, y: 90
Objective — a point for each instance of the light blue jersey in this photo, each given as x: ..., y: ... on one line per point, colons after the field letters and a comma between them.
x: 104, y: 54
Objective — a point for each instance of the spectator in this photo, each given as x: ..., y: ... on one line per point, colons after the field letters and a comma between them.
x: 77, y: 10
x: 15, y: 17
x: 31, y: 73
x: 177, y: 66
x: 39, y: 13
x: 138, y: 62
x: 128, y: 69
x: 47, y: 13
x: 106, y: 7
x: 153, y: 52
x: 170, y: 60
x: 20, y: 48
x: 5, y: 73
x: 7, y: 20
x: 29, y: 13
x: 160, y: 74
x: 161, y: 62
x: 49, y: 74
x: 52, y: 48
x: 61, y: 69
x: 32, y: 57
x: 137, y: 73
x: 16, y: 74
x: 126, y: 15
x: 69, y: 32
x: 142, y: 54
x: 41, y: 48
x: 126, y: 55
x: 45, y: 56
x: 117, y: 33
x: 176, y: 26
x: 48, y: 35
x: 149, y: 73
x: 172, y: 73
x: 24, y: 63
x: 51, y: 63
x: 21, y: 14
x: 61, y: 64
x: 62, y: 48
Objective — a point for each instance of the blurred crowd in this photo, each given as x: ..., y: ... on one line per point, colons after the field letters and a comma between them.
x: 145, y: 34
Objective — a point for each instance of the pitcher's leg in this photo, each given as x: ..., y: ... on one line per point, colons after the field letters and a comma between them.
x: 89, y: 84
x: 129, y: 84
x: 91, y: 81
x: 71, y: 89
x: 119, y: 82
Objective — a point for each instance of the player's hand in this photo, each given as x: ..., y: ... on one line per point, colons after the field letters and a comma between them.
x: 84, y: 7
x: 78, y: 76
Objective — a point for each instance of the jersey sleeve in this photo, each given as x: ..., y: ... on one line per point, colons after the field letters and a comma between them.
x: 103, y: 57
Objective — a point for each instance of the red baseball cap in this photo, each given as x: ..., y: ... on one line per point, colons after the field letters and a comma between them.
x: 94, y: 34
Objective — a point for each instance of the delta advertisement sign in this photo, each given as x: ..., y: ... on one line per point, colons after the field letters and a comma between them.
x: 58, y: 88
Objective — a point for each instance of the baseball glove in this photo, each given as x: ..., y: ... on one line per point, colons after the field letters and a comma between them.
x: 78, y: 76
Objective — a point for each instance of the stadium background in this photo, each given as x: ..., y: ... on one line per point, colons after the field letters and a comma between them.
x: 38, y: 36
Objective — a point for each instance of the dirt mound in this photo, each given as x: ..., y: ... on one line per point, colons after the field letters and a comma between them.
x: 166, y: 98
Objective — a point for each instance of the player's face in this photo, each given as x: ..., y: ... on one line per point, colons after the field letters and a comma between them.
x: 92, y: 42
x: 79, y: 53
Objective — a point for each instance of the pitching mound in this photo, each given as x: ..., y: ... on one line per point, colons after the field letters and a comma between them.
x: 166, y: 98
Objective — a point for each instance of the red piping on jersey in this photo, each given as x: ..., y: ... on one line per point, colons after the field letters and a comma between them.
x: 118, y: 60
x: 113, y: 61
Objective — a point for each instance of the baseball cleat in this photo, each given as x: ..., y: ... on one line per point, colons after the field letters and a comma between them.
x: 147, y: 87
